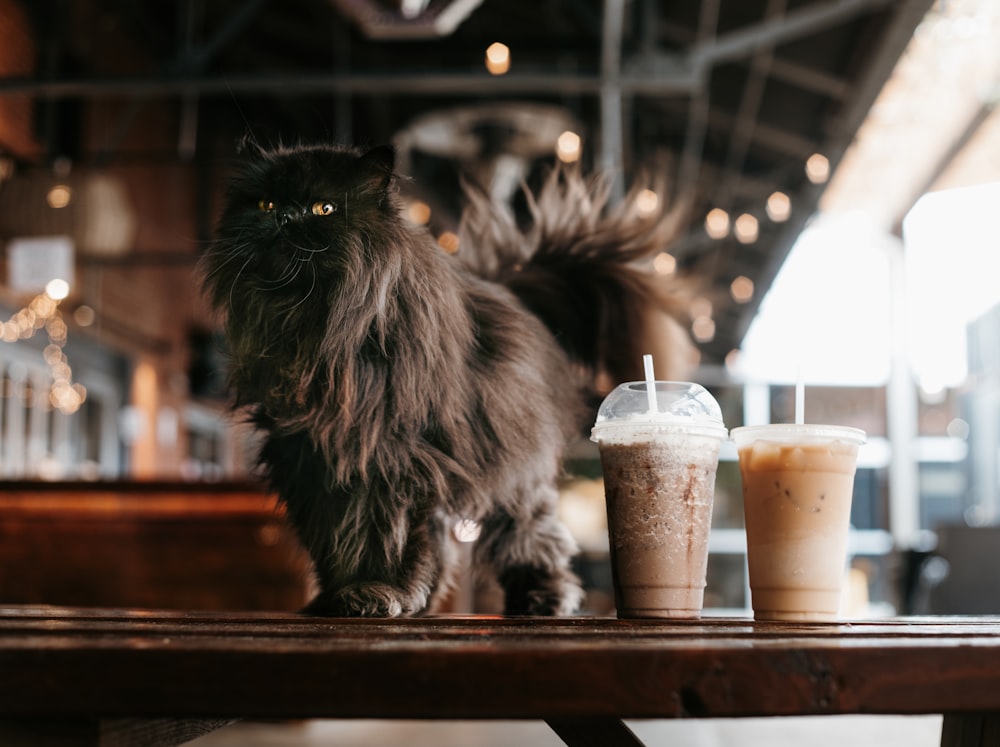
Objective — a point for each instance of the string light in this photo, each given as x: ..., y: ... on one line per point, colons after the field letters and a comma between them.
x: 818, y: 168
x: 646, y: 202
x: 498, y: 58
x: 746, y: 229
x: 703, y: 328
x: 84, y: 316
x: 741, y: 289
x: 702, y: 324
x: 568, y: 147
x: 42, y: 312
x: 448, y: 241
x: 779, y: 207
x: 57, y: 289
x: 419, y: 213
x: 59, y: 196
x: 717, y: 223
x: 664, y: 264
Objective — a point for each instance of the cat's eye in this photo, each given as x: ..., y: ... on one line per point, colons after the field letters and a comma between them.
x: 323, y: 208
x: 266, y: 206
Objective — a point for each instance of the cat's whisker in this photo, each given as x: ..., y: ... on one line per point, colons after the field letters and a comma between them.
x: 312, y: 287
x: 234, y: 253
x: 289, y: 273
x: 236, y: 247
x: 286, y: 279
x: 232, y: 288
x: 315, y: 251
x: 309, y: 249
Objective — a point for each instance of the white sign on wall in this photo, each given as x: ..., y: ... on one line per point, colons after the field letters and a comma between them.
x: 33, y: 262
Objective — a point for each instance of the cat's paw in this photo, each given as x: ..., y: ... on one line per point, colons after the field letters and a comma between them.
x: 534, y: 591
x: 363, y: 600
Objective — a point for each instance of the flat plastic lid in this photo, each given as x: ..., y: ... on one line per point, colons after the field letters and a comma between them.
x: 797, y: 433
x: 679, y: 406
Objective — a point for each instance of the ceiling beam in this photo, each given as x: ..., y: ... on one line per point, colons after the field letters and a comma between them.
x: 771, y: 137
x: 416, y: 84
x: 906, y: 16
x: 650, y: 73
x: 707, y: 52
x: 771, y: 32
x: 749, y: 109
x: 809, y: 79
x: 692, y: 153
x: 612, y: 142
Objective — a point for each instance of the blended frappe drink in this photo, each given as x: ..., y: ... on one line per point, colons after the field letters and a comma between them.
x: 798, y: 482
x: 659, y: 481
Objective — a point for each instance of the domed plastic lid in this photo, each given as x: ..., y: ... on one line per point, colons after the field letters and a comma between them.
x: 673, y: 406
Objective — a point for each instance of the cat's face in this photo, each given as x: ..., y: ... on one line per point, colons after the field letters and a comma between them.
x: 299, y: 217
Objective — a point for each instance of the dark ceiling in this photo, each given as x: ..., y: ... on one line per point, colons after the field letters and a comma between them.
x: 732, y: 95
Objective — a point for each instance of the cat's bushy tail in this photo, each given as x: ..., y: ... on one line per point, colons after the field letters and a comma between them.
x: 582, y: 265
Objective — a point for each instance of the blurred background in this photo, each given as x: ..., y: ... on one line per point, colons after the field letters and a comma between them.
x: 836, y: 167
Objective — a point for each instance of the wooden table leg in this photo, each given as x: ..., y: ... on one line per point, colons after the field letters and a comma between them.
x: 124, y: 732
x: 594, y: 732
x: 161, y: 732
x: 970, y: 730
x: 42, y: 732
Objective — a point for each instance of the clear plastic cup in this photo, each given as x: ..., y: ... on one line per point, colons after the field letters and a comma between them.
x: 659, y: 480
x: 798, y: 482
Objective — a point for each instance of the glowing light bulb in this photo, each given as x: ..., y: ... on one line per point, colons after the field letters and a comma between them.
x: 741, y: 289
x: 498, y: 58
x: 448, y: 241
x: 568, y: 146
x: 84, y: 316
x: 419, y: 213
x: 746, y: 229
x: 717, y: 223
x: 59, y: 196
x: 779, y: 207
x: 703, y: 329
x: 646, y: 202
x: 57, y: 289
x: 818, y: 168
x: 664, y: 264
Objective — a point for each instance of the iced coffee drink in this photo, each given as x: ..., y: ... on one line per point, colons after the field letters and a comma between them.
x: 798, y: 482
x: 659, y: 479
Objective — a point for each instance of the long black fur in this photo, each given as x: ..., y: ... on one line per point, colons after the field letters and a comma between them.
x: 399, y: 389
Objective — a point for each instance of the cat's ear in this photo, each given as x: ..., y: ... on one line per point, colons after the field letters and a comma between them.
x: 378, y: 164
x: 249, y: 147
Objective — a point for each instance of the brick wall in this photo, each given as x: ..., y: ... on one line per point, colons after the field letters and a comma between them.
x: 17, y: 57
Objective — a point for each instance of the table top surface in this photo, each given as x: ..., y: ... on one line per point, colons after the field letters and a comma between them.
x: 72, y: 662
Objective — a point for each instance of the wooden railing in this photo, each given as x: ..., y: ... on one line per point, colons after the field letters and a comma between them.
x: 167, y: 545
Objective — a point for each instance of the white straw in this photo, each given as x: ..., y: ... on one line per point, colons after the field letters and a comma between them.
x: 800, y: 399
x: 647, y: 364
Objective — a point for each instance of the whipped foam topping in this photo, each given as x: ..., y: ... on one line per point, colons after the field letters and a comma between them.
x: 636, y: 427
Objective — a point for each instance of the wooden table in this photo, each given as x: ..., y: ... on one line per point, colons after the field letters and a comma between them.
x: 85, y: 674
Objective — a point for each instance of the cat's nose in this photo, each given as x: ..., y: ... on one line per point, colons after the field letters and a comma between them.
x: 287, y: 214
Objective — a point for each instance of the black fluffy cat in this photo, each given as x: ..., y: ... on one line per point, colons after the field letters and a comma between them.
x: 399, y: 390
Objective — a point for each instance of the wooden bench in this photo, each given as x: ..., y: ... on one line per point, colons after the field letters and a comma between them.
x: 161, y: 544
x: 133, y: 677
